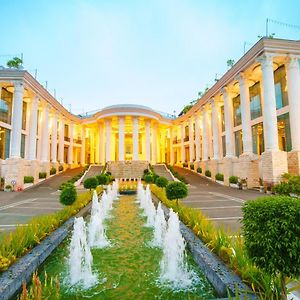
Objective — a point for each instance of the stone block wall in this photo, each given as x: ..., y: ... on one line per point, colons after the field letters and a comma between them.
x: 127, y: 169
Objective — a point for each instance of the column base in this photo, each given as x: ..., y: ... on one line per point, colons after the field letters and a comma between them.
x: 45, y: 167
x: 226, y: 168
x: 274, y: 164
x: 14, y: 171
x: 294, y: 162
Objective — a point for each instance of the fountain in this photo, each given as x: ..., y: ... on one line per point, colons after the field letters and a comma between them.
x: 174, y: 270
x: 160, y: 227
x: 96, y: 231
x: 80, y: 258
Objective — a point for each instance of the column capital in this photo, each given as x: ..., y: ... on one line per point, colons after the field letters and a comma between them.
x: 266, y: 59
x: 292, y: 61
x: 18, y: 85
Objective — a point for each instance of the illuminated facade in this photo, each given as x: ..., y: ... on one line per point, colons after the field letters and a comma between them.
x: 247, y: 124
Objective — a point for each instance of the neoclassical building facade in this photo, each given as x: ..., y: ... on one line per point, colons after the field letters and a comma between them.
x: 247, y: 124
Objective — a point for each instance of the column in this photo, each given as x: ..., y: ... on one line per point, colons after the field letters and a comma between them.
x: 45, y: 134
x: 182, y: 143
x: 121, y: 139
x: 293, y: 84
x: 92, y: 146
x: 97, y: 145
x: 154, y: 143
x: 82, y: 152
x: 215, y: 114
x: 246, y: 116
x: 197, y: 136
x: 54, y: 138
x: 191, y: 140
x: 204, y: 134
x: 102, y: 143
x: 70, y: 149
x: 135, y: 136
x: 171, y: 147
x: 16, y: 122
x: 148, y: 144
x: 269, y: 103
x: 107, y: 139
x: 33, y: 128
x: 228, y: 116
x: 61, y: 140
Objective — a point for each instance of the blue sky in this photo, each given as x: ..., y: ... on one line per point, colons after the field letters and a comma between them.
x: 158, y: 53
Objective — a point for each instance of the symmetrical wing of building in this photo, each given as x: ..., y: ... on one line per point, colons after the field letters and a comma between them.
x: 247, y: 124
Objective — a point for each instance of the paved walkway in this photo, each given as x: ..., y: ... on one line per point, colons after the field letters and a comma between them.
x: 19, y: 207
x: 221, y: 204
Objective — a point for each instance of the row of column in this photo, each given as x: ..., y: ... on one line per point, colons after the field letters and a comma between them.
x: 269, y: 116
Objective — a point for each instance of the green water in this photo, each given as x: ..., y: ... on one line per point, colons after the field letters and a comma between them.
x: 129, y: 269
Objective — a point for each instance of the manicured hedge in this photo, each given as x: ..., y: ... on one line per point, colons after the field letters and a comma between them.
x: 219, y: 176
x: 52, y: 171
x: 207, y: 173
x: 42, y: 175
x: 199, y: 170
x: 90, y: 183
x: 233, y: 179
x: 161, y: 181
x: 28, y: 179
x: 68, y: 195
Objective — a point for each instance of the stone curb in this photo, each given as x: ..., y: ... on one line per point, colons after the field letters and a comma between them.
x: 12, y: 279
x: 218, y: 274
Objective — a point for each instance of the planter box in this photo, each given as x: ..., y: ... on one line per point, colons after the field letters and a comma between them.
x: 234, y: 185
x: 261, y: 189
x: 7, y: 190
x: 220, y: 182
x: 27, y: 185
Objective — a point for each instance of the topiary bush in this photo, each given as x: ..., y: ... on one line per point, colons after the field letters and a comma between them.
x: 52, y: 171
x: 102, y: 179
x: 161, y: 182
x: 146, y: 171
x: 68, y: 195
x: 192, y: 167
x: 176, y: 190
x: 185, y: 164
x: 90, y: 183
x: 233, y: 179
x: 219, y: 176
x: 199, y: 170
x: 60, y: 168
x: 148, y: 178
x: 271, y: 229
x: 42, y: 175
x: 28, y: 179
x: 207, y: 173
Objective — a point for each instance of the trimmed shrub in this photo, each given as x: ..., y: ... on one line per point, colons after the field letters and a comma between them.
x: 219, y: 176
x: 60, y: 168
x: 192, y: 167
x: 102, y: 179
x: 148, y: 178
x: 199, y: 170
x: 271, y: 227
x: 146, y: 171
x: 176, y: 190
x: 233, y: 179
x: 207, y: 173
x: 42, y: 175
x: 155, y: 176
x: 283, y: 188
x: 108, y: 173
x: 28, y: 179
x: 68, y: 195
x: 8, y: 187
x: 185, y: 165
x: 52, y: 171
x: 90, y: 183
x: 161, y: 181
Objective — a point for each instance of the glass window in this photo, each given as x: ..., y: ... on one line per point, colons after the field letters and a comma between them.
x: 255, y: 102
x: 23, y: 145
x: 258, y: 138
x: 238, y: 137
x: 284, y: 132
x: 237, y: 118
x: 222, y: 118
x: 5, y: 106
x: 280, y: 87
x: 4, y: 142
x: 224, y: 145
x: 24, y: 115
x: 66, y: 130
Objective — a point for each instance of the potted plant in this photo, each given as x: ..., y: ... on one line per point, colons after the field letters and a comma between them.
x: 208, y: 173
x: 268, y: 188
x: 233, y: 181
x: 199, y: 170
x: 192, y: 167
x: 8, y: 188
x: 261, y: 185
x: 219, y: 178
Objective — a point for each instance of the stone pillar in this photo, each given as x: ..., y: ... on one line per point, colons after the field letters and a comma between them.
x: 135, y: 136
x: 274, y: 162
x: 215, y: 115
x: 171, y: 147
x: 102, y: 144
x: 154, y: 144
x: 92, y: 145
x: 82, y: 152
x: 191, y: 140
x: 96, y: 145
x: 197, y: 137
x: 61, y: 140
x: 204, y: 134
x: 228, y: 116
x: 183, y: 158
x: 33, y: 128
x: 54, y: 138
x: 70, y: 149
x: 45, y: 134
x: 293, y: 84
x: 16, y: 122
x: 107, y: 139
x: 121, y: 138
x: 246, y: 116
x: 148, y: 145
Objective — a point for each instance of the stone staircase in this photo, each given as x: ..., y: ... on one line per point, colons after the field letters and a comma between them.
x: 127, y: 169
x: 92, y: 172
x: 161, y: 170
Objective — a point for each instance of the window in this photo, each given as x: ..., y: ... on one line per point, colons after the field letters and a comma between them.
x: 66, y: 130
x: 237, y: 118
x: 23, y: 146
x: 224, y: 145
x: 255, y: 103
x: 24, y: 115
x: 284, y: 132
x: 238, y: 137
x: 280, y: 87
x: 4, y: 142
x: 5, y: 106
x: 258, y: 138
x: 222, y: 118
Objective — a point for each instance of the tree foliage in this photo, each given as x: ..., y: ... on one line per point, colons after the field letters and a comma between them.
x: 161, y: 181
x: 16, y: 62
x: 176, y: 190
x: 90, y: 183
x: 102, y: 179
x: 68, y: 195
